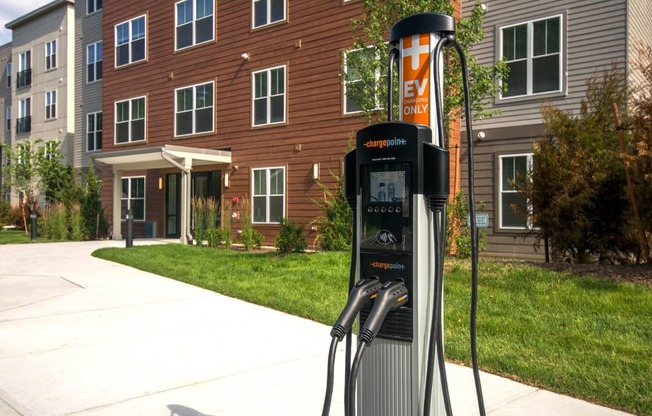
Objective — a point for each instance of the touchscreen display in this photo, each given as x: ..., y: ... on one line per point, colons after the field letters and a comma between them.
x: 387, y: 186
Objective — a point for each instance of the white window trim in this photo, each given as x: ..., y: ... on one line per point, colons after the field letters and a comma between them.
x: 530, y: 162
x: 51, y: 98
x: 530, y: 49
x: 115, y: 34
x: 267, y: 195
x: 129, y: 198
x: 268, y: 71
x: 24, y: 110
x: 95, y: 46
x: 194, y: 27
x: 194, y: 110
x: 52, y: 45
x: 269, y: 14
x: 94, y: 115
x: 115, y: 121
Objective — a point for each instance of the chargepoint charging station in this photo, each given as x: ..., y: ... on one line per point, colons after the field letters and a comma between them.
x: 397, y: 184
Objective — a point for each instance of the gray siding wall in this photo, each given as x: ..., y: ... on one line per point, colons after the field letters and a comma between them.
x: 594, y: 35
x: 88, y: 96
x: 5, y: 92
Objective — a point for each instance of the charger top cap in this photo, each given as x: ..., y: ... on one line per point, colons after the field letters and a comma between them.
x: 429, y: 22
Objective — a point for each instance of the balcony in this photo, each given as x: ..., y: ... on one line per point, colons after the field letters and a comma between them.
x: 24, y: 124
x: 24, y: 78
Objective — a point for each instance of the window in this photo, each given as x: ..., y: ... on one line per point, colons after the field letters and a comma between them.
x: 353, y: 80
x: 24, y: 120
x: 93, y: 6
x: 133, y: 197
x: 194, y: 109
x: 24, y: 75
x: 8, y: 117
x: 513, y: 171
x: 50, y: 149
x: 94, y: 131
x: 268, y: 11
x: 269, y: 195
x: 51, y: 54
x: 94, y: 57
x: 532, y: 51
x: 9, y: 75
x: 130, y: 41
x: 194, y: 22
x: 50, y: 105
x: 269, y: 96
x: 130, y: 120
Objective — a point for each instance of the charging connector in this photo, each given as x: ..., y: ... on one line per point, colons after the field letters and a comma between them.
x: 392, y: 295
x: 361, y: 294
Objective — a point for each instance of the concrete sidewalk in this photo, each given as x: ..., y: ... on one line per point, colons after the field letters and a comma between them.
x: 82, y: 336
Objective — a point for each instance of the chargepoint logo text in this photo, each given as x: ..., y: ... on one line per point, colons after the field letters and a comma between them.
x: 385, y: 143
x: 387, y: 266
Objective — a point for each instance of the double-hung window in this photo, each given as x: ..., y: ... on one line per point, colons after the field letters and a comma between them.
x: 8, y: 117
x: 133, y: 197
x: 94, y: 56
x: 514, y: 209
x: 130, y: 41
x: 532, y: 51
x: 269, y: 96
x: 50, y: 54
x: 93, y: 6
x: 194, y: 109
x: 24, y: 120
x: 94, y: 131
x: 266, y: 12
x: 24, y: 75
x: 50, y: 104
x: 130, y: 120
x: 354, y: 83
x: 195, y: 22
x: 268, y: 195
x: 9, y: 75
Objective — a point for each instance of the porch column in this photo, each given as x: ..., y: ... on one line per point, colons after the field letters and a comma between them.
x: 117, y: 204
x: 186, y: 190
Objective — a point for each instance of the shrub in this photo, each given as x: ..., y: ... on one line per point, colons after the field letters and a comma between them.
x: 249, y: 237
x: 214, y: 236
x: 226, y: 226
x: 335, y: 224
x: 458, y: 236
x: 77, y: 228
x: 291, y: 239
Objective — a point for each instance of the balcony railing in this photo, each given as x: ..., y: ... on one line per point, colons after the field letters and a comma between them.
x: 24, y: 124
x: 24, y: 78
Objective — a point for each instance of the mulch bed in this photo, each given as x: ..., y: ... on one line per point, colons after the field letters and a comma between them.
x: 639, y: 273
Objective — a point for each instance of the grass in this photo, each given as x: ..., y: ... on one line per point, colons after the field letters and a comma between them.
x: 584, y: 337
x: 19, y: 237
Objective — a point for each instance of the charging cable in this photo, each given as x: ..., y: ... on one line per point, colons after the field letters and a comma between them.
x: 360, y: 295
x: 392, y: 295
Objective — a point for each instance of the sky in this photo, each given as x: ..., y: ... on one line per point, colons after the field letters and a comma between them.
x: 12, y: 9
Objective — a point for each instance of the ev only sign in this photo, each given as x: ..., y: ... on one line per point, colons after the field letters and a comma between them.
x: 481, y: 220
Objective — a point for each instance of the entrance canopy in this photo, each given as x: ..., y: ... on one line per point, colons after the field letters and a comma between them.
x: 159, y: 157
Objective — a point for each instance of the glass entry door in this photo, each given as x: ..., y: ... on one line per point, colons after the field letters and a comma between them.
x: 172, y: 205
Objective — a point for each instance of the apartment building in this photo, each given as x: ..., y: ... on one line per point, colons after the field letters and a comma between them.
x: 225, y: 100
x: 42, y: 76
x: 5, y: 106
x: 552, y: 48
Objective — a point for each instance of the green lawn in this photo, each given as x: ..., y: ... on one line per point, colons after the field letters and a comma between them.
x: 14, y: 237
x: 584, y: 337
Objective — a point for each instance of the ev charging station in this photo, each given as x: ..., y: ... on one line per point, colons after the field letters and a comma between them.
x: 397, y: 184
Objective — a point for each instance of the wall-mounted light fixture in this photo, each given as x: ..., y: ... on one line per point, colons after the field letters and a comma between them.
x: 315, y: 171
x: 226, y: 180
x: 245, y: 56
x: 160, y: 183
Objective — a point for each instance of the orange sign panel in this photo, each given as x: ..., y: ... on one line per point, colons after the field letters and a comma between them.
x: 415, y: 74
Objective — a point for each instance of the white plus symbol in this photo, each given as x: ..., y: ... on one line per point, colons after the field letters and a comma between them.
x: 415, y: 51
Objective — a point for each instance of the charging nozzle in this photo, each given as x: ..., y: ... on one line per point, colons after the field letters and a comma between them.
x: 361, y: 294
x: 392, y: 295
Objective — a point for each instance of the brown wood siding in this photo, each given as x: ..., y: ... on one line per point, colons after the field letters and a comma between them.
x: 311, y: 54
